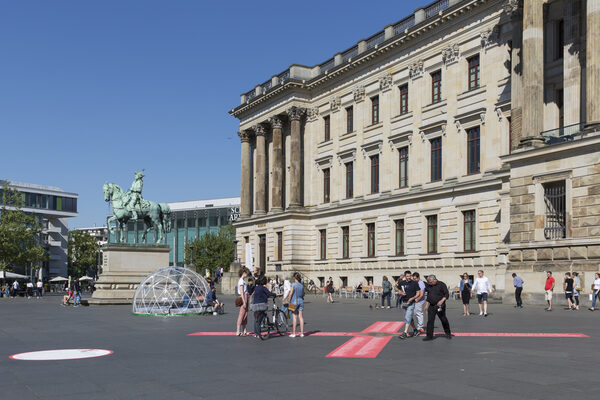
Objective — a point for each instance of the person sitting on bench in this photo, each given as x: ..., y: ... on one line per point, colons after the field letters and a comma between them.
x: 211, y: 301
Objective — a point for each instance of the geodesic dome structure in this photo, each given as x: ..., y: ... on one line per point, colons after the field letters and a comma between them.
x: 171, y: 291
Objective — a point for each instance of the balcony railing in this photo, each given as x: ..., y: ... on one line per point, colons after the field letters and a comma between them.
x: 563, y: 134
x: 327, y: 65
x: 351, y: 53
x: 403, y: 25
x: 375, y: 40
x: 435, y: 8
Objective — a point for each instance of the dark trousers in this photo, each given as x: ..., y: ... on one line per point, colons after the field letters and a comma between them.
x: 383, y: 297
x: 518, y: 296
x: 431, y: 313
x: 258, y: 319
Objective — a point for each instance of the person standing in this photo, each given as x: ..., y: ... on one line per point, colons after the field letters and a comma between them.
x: 242, y: 291
x: 296, y: 297
x: 410, y: 293
x: 259, y: 304
x: 29, y: 289
x: 330, y: 290
x: 76, y: 293
x: 568, y: 288
x: 287, y: 287
x: 386, y: 291
x: 465, y: 293
x: 483, y: 288
x: 15, y: 287
x: 595, y: 289
x: 576, y: 289
x: 419, y: 304
x: 39, y: 289
x: 549, y: 289
x: 437, y: 294
x: 518, y: 284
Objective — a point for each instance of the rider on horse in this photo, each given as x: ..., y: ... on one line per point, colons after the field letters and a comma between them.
x: 135, y: 195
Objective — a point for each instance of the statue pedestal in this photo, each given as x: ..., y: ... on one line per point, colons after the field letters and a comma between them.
x: 230, y: 279
x: 124, y: 266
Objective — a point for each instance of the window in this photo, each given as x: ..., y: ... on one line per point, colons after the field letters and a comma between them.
x: 374, y: 110
x: 436, y: 159
x: 350, y: 119
x: 432, y: 234
x: 436, y: 86
x: 279, y: 246
x: 326, y: 180
x: 349, y: 180
x: 403, y: 171
x: 469, y: 230
x: 327, y: 127
x: 555, y: 226
x: 323, y: 236
x: 345, y: 242
x: 473, y: 157
x: 371, y: 240
x: 400, y: 237
x: 560, y: 40
x: 374, y: 174
x: 473, y: 72
x: 403, y: 99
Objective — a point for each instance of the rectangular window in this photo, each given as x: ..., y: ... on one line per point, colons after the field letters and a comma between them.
x: 326, y: 186
x: 349, y: 180
x: 473, y: 72
x: 469, y: 230
x: 374, y: 174
x: 436, y: 86
x: 560, y: 39
x: 473, y: 150
x: 323, y: 236
x: 279, y: 246
x: 432, y: 234
x: 371, y: 240
x: 436, y: 159
x: 555, y: 226
x: 327, y: 127
x: 374, y: 110
x: 350, y: 119
x: 403, y: 152
x: 346, y: 242
x: 403, y: 99
x: 400, y: 237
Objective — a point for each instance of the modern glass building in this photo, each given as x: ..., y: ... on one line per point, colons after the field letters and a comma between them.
x: 53, y: 206
x: 189, y: 220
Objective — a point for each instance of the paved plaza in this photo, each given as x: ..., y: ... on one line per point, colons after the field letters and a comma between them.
x: 157, y: 358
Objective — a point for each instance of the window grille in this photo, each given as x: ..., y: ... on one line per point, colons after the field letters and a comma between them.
x: 555, y: 201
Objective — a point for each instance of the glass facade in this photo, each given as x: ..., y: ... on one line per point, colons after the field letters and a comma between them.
x: 47, y: 201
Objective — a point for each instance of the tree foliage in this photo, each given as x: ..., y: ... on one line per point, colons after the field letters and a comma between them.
x: 82, y: 252
x: 19, y: 232
x: 212, y: 250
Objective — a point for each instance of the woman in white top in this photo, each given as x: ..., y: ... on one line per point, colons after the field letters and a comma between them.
x: 242, y: 291
x: 595, y: 291
x: 287, y: 286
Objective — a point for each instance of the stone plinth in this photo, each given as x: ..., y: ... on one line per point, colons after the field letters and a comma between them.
x: 123, y: 268
x: 230, y: 279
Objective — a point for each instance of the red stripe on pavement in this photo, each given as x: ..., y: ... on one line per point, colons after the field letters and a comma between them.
x: 384, y: 326
x: 332, y: 334
x: 212, y: 334
x: 361, y: 347
x: 516, y: 334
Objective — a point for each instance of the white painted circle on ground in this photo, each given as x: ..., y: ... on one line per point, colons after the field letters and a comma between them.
x: 63, y: 354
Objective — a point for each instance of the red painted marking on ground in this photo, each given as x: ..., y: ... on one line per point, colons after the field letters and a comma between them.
x: 361, y: 346
x: 517, y: 334
x: 333, y: 334
x: 212, y: 334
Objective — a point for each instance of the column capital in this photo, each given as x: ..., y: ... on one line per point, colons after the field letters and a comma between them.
x: 245, y: 136
x: 259, y: 129
x: 295, y: 113
x: 276, y: 122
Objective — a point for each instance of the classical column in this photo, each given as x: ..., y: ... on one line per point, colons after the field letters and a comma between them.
x: 515, y: 11
x: 246, y: 175
x: 277, y: 177
x: 571, y: 65
x: 295, y: 115
x: 261, y: 177
x: 593, y: 63
x: 533, y: 71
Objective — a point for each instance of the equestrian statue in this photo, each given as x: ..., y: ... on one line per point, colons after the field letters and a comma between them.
x: 131, y: 206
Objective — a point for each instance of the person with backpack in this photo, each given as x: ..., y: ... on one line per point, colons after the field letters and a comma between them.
x: 386, y: 286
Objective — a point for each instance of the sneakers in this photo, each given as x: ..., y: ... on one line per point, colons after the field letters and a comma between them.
x: 480, y: 313
x: 388, y: 307
x: 403, y: 335
x: 448, y: 336
x: 485, y: 315
x: 292, y: 335
x: 427, y: 339
x: 302, y: 335
x: 417, y: 332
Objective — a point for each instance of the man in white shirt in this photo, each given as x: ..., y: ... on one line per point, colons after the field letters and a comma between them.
x: 483, y: 288
x: 595, y: 291
x: 39, y: 289
x: 29, y: 289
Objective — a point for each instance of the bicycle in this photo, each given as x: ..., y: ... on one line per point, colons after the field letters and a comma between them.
x: 277, y: 321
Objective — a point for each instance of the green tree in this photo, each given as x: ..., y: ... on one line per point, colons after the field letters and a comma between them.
x: 19, y: 232
x: 212, y: 250
x: 82, y: 252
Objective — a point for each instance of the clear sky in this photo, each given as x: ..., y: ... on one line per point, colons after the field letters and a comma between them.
x: 91, y: 91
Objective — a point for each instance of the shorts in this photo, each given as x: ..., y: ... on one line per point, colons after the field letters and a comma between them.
x: 548, y: 295
x: 481, y: 297
x: 568, y: 295
x: 409, y: 311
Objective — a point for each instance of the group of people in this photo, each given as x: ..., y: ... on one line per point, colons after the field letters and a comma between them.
x: 253, y: 295
x: 481, y: 287
x: 13, y: 289
x: 73, y: 293
x: 572, y: 287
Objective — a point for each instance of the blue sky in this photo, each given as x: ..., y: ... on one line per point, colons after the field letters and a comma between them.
x: 91, y: 91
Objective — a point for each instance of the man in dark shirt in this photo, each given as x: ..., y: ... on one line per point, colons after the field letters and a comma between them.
x: 437, y: 294
x: 411, y: 293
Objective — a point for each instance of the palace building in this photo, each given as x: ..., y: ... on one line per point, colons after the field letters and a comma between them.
x: 462, y: 137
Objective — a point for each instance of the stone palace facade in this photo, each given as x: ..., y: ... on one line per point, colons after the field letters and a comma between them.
x: 459, y: 138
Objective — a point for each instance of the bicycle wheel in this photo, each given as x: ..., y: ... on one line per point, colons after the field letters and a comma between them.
x: 281, y: 322
x: 265, y: 328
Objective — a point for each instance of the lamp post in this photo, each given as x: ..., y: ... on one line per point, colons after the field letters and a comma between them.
x: 191, y: 246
